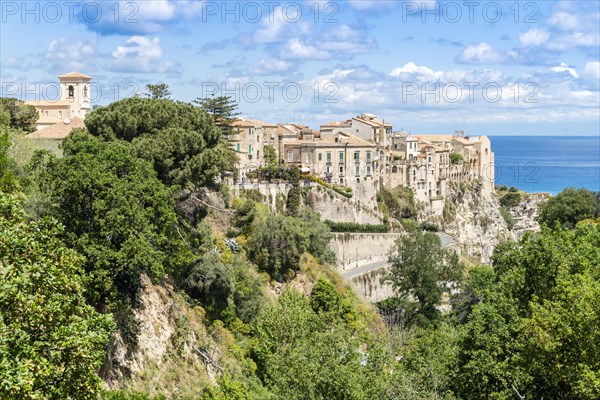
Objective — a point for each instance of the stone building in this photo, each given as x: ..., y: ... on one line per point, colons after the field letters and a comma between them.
x: 74, y: 101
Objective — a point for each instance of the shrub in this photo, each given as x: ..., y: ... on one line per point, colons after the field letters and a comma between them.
x: 456, y: 159
x: 356, y: 228
x: 510, y: 199
x: 429, y: 227
x: 508, y: 218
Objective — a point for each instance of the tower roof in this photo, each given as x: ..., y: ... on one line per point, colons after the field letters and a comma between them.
x: 74, y: 74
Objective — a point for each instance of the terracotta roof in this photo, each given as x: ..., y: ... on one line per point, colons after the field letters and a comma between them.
x: 57, y: 131
x: 74, y: 74
x: 247, y: 122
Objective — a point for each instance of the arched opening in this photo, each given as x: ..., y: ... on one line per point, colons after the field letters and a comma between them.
x: 71, y: 91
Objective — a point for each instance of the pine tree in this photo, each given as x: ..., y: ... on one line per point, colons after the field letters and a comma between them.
x: 223, y: 110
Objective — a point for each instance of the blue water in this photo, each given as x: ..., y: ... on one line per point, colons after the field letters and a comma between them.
x: 547, y: 163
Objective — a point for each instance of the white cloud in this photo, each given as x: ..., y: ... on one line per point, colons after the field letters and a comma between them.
x: 138, y: 17
x: 270, y: 66
x: 140, y: 54
x: 592, y: 70
x: 71, y: 54
x: 276, y: 27
x: 481, y: 53
x: 564, y: 21
x: 565, y: 68
x: 534, y: 37
x: 296, y: 50
x: 411, y: 69
x: 574, y: 40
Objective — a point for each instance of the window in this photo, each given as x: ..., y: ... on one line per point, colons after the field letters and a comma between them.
x: 320, y: 156
x: 309, y: 157
x: 289, y: 156
x: 249, y: 149
x: 251, y: 131
x: 237, y: 147
x: 60, y: 113
x: 341, y: 156
x: 328, y: 156
x: 356, y: 156
x: 368, y: 156
x: 85, y: 92
x: 396, y: 146
x: 368, y: 170
x: 257, y: 138
x: 357, y: 170
x: 71, y: 91
x: 341, y: 170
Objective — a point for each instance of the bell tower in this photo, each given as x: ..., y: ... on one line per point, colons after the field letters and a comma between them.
x: 75, y: 88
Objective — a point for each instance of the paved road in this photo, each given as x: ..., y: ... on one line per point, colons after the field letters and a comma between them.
x: 446, y: 240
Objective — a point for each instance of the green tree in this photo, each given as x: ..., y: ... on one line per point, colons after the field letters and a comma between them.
x: 456, y: 159
x: 158, y: 91
x: 180, y: 140
x: 534, y: 327
x: 423, y: 269
x: 51, y: 342
x: 223, y: 110
x: 270, y: 155
x: 8, y: 179
x: 210, y: 281
x: 277, y: 242
x: 568, y: 207
x: 116, y: 213
x: 22, y: 116
x: 300, y: 355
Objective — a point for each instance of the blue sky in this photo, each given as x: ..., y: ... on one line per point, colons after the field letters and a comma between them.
x: 490, y: 67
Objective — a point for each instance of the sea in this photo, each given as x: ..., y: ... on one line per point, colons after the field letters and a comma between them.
x: 548, y: 164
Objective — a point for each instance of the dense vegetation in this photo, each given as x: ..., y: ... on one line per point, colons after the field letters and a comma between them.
x: 80, y: 233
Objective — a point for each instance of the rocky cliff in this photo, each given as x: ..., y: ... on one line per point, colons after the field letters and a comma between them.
x: 473, y: 218
x: 174, y: 352
x: 526, y: 212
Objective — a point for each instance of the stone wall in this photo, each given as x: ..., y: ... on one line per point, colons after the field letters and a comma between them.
x: 369, y: 287
x: 355, y: 250
x: 335, y: 207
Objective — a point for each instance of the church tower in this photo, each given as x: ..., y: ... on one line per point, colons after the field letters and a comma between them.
x: 75, y: 88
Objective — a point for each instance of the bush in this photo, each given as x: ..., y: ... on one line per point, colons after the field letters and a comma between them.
x: 277, y: 242
x: 356, y: 228
x: 502, y: 188
x: 400, y: 202
x: 456, y: 159
x: 508, y: 218
x: 510, y: 199
x: 429, y: 227
x: 513, y: 189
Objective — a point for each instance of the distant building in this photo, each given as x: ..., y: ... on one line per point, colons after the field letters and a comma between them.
x: 74, y: 101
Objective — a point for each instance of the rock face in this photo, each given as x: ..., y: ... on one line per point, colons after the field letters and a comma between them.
x: 334, y: 207
x: 473, y: 218
x: 172, y: 343
x: 526, y: 212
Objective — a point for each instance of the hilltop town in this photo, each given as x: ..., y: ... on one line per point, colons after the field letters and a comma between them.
x: 362, y: 154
